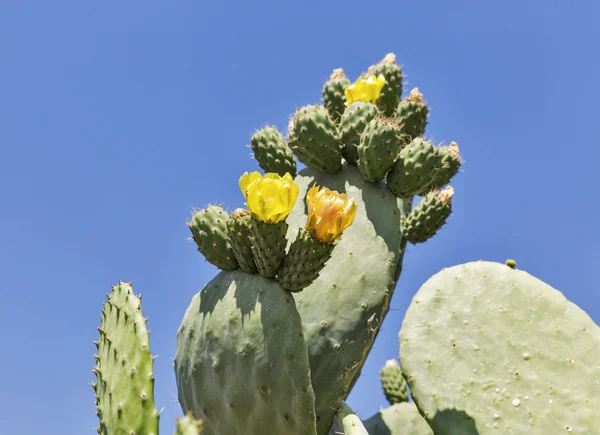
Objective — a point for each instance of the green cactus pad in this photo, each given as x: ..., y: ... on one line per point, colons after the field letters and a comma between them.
x: 414, y: 170
x: 344, y: 307
x: 124, y: 375
x: 487, y: 349
x: 354, y: 120
x: 392, y: 90
x: 378, y: 149
x: 350, y: 421
x: 399, y: 419
x: 393, y: 383
x: 188, y: 426
x: 315, y: 140
x: 241, y: 363
x: 209, y: 231
x: 303, y: 262
x: 448, y: 166
x: 428, y: 216
x: 412, y: 115
x: 333, y: 94
x: 269, y: 246
x: 239, y: 232
x: 272, y: 153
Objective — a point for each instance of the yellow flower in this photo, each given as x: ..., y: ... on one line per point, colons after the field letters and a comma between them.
x: 329, y: 214
x: 365, y: 90
x: 271, y: 197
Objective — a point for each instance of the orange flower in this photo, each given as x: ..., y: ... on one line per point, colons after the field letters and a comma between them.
x: 329, y: 214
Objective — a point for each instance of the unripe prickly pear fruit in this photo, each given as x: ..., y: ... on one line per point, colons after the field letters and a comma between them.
x: 272, y: 153
x: 124, y: 368
x: 414, y: 170
x: 209, y: 231
x: 314, y: 139
x: 378, y: 149
x: 188, y: 425
x: 333, y: 94
x: 429, y: 216
x: 354, y: 121
x: 412, y: 115
x: 448, y: 166
x: 239, y: 231
x: 393, y: 383
x: 392, y: 90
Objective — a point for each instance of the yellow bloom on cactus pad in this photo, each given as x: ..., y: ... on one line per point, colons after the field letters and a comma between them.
x: 365, y: 90
x: 269, y: 197
x: 329, y: 214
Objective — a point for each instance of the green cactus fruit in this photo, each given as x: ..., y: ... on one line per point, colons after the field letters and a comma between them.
x: 272, y: 153
x: 333, y: 94
x: 392, y: 90
x: 350, y: 421
x: 354, y: 120
x: 188, y: 426
x: 428, y: 216
x: 393, y: 383
x: 241, y: 363
x: 487, y: 349
x: 414, y: 170
x: 344, y: 307
x: 209, y: 231
x: 412, y: 115
x: 399, y: 419
x: 378, y: 149
x: 124, y: 375
x: 511, y: 263
x: 448, y: 166
x: 269, y: 246
x: 239, y: 232
x: 314, y: 139
x: 303, y: 262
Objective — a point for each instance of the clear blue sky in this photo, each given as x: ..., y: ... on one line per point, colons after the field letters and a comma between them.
x: 118, y: 118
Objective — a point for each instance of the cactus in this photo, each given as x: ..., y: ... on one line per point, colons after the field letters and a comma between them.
x: 414, y: 170
x: 272, y: 153
x: 378, y: 149
x: 392, y: 90
x: 354, y: 121
x: 239, y: 232
x: 489, y: 349
x: 412, y: 115
x: 399, y: 419
x: 394, y: 385
x: 188, y: 425
x: 333, y: 94
x: 428, y: 217
x: 209, y: 231
x: 241, y: 362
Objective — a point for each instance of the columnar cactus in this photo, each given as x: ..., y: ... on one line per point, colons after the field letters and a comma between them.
x: 275, y: 342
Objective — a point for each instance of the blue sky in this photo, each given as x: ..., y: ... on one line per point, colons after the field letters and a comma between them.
x: 117, y: 119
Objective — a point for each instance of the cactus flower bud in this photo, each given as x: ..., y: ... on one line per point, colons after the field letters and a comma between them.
x: 271, y: 197
x: 367, y: 90
x: 329, y: 214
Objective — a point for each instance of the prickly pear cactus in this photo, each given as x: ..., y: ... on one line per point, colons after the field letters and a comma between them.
x: 399, y: 419
x: 241, y: 363
x: 489, y: 349
x: 124, y: 375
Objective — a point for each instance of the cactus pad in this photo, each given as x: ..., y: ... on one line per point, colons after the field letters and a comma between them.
x: 354, y: 120
x: 378, y: 149
x: 448, y: 166
x: 209, y: 231
x: 428, y: 216
x: 303, y: 262
x: 393, y: 383
x: 241, y: 363
x: 314, y: 139
x: 488, y: 349
x: 399, y: 419
x: 272, y: 153
x: 269, y: 246
x: 414, y: 170
x: 344, y: 307
x: 124, y: 376
x: 333, y: 94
